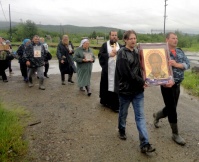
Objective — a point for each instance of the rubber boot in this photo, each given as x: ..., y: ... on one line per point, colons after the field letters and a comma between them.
x: 88, y: 90
x: 175, y: 136
x: 158, y: 116
x: 70, y: 78
x: 30, y: 84
x: 41, y: 82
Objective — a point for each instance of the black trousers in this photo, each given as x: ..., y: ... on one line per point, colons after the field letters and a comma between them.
x: 46, y: 67
x: 10, y: 66
x: 170, y: 97
x: 3, y: 67
x: 23, y: 69
x: 110, y: 99
x: 3, y: 74
x: 63, y: 76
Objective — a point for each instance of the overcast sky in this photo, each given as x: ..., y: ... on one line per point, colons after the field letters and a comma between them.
x: 140, y: 15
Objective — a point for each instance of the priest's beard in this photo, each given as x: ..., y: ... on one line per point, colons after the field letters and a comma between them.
x: 112, y: 42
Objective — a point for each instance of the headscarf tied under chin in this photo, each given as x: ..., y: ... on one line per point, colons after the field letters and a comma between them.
x: 25, y: 41
x: 83, y: 41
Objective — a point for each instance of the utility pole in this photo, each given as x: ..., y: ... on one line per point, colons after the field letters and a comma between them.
x: 10, y: 24
x: 165, y: 6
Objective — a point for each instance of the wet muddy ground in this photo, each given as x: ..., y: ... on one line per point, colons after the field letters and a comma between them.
x: 73, y: 127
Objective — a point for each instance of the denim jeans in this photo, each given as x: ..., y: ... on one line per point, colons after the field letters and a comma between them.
x: 138, y: 106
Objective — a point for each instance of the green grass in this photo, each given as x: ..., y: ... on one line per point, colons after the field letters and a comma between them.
x: 191, y: 82
x: 12, y: 144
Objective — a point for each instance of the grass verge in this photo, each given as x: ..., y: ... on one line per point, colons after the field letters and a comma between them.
x: 12, y: 144
x: 191, y: 82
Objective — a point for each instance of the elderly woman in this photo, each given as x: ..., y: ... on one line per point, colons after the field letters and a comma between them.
x: 65, y: 51
x: 84, y: 59
x: 20, y: 52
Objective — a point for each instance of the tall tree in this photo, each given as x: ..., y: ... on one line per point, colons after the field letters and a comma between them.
x: 25, y: 30
x: 120, y: 34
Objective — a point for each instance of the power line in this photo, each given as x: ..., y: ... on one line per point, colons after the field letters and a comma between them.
x: 3, y: 11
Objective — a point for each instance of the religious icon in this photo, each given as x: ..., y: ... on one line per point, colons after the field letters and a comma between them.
x: 88, y: 56
x: 37, y: 51
x: 4, y: 47
x: 154, y: 60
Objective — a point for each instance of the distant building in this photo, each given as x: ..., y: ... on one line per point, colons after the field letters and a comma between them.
x: 100, y: 40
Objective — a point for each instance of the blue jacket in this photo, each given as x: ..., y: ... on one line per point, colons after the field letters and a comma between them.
x: 178, y: 73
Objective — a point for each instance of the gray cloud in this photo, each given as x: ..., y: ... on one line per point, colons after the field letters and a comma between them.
x: 139, y: 15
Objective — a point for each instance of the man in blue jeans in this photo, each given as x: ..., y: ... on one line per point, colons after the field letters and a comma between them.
x: 130, y: 85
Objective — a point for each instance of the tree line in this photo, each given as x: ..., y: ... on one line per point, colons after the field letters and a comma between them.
x: 28, y: 29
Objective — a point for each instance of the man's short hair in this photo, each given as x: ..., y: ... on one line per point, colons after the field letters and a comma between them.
x: 169, y: 33
x: 112, y: 31
x: 35, y: 36
x: 127, y: 34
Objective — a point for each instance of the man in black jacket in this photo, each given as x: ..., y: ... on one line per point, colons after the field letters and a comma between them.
x: 35, y: 55
x: 130, y: 86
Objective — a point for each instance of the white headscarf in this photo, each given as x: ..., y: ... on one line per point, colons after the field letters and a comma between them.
x: 83, y: 41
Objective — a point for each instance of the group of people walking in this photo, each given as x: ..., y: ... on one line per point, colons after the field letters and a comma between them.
x: 34, y: 56
x: 121, y: 81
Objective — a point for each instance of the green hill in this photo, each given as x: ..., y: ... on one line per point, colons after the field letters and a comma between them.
x: 70, y: 29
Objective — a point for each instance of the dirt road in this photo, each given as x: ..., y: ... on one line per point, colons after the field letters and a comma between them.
x: 76, y: 128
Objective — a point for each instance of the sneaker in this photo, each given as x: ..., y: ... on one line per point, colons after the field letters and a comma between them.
x: 122, y: 135
x: 5, y: 81
x: 147, y: 148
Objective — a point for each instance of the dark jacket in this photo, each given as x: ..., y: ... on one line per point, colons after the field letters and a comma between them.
x: 20, y: 52
x: 63, y: 54
x: 29, y: 55
x: 128, y: 75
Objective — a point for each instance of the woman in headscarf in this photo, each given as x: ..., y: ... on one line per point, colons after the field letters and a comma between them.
x: 84, y: 58
x: 65, y: 53
x: 20, y: 52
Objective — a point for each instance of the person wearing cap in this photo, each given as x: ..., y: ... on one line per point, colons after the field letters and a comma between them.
x: 65, y: 51
x: 84, y: 58
x: 20, y: 52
